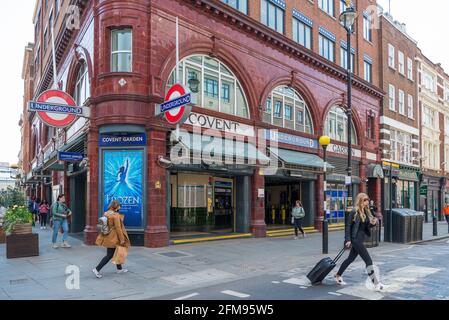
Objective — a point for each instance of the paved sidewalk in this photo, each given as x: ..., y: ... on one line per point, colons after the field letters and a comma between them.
x: 163, y: 271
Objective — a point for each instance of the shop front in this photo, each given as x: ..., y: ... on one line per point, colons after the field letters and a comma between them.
x: 406, y: 188
x: 431, y: 198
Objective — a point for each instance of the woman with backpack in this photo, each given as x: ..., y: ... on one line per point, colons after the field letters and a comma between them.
x: 359, y: 225
x: 43, y: 211
x: 113, y: 236
x: 298, y: 214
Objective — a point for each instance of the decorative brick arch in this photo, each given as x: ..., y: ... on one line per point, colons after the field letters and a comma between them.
x: 81, y: 56
x: 301, y: 89
x: 340, y: 102
x: 220, y: 53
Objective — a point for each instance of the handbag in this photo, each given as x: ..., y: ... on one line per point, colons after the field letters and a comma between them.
x: 120, y: 255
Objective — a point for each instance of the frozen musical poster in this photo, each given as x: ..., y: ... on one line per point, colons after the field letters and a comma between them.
x: 122, y: 181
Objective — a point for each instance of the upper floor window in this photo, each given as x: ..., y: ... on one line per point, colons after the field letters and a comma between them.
x: 336, y: 126
x: 392, y: 97
x: 428, y: 117
x: 370, y: 122
x: 327, y: 47
x: 446, y: 93
x: 286, y: 108
x: 344, y: 57
x: 401, y: 63
x: 410, y: 107
x: 82, y: 86
x: 401, y: 102
x: 367, y: 30
x: 241, y: 5
x: 368, y: 68
x: 272, y: 15
x: 410, y: 68
x: 446, y: 126
x: 429, y: 82
x: 391, y: 56
x: 401, y: 146
x: 327, y: 6
x: 302, y: 33
x: 214, y: 85
x: 121, y: 50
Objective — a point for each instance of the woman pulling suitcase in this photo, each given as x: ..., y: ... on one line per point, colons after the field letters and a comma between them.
x: 360, y: 222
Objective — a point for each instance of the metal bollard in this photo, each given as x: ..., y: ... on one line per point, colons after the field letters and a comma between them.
x: 435, y: 226
x: 325, y: 236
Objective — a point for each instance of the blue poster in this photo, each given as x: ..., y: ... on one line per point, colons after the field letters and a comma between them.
x: 122, y: 181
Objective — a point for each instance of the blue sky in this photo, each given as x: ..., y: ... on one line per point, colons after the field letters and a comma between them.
x: 427, y: 22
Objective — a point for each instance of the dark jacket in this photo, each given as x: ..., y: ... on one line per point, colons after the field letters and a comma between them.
x: 352, y: 227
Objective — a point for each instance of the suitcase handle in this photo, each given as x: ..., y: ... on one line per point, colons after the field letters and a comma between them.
x: 339, y: 255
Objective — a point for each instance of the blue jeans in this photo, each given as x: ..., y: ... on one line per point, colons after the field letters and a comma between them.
x: 65, y: 228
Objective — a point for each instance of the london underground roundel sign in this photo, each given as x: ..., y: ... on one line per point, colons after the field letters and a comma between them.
x: 177, y: 105
x: 56, y: 108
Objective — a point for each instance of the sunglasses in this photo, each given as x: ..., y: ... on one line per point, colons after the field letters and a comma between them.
x: 365, y: 199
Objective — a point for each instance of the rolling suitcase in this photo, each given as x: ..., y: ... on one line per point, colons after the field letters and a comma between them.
x: 322, y: 268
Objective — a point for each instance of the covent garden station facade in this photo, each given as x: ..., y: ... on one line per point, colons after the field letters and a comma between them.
x: 247, y: 150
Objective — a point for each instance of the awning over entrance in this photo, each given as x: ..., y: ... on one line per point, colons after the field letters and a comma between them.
x: 207, y: 148
x: 300, y: 160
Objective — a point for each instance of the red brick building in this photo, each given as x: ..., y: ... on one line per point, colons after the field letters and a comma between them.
x: 249, y: 75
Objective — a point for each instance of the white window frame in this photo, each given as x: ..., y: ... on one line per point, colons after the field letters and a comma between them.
x: 265, y: 16
x: 391, y: 97
x: 241, y: 5
x: 327, y: 6
x: 410, y: 107
x: 344, y: 59
x: 326, y: 42
x: 368, y: 76
x: 298, y: 27
x: 401, y: 106
x: 391, y: 50
x: 118, y: 52
x: 410, y: 68
x: 367, y: 31
x: 338, y: 117
x: 401, y: 63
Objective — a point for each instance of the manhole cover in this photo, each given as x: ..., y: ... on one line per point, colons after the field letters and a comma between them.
x: 173, y: 254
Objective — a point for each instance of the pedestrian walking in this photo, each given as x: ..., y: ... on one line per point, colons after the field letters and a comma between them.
x: 36, y: 204
x: 446, y: 214
x: 298, y: 215
x: 43, y: 213
x: 115, y: 239
x: 60, y: 213
x: 359, y: 225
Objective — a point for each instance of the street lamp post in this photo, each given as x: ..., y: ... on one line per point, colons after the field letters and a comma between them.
x: 324, y: 142
x: 347, y: 18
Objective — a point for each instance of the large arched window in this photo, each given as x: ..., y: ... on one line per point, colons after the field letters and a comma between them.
x: 286, y: 108
x: 337, y: 126
x: 82, y: 85
x: 215, y: 86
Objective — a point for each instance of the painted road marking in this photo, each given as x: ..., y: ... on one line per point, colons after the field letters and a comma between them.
x: 303, y: 281
x: 187, y: 296
x: 236, y: 294
x: 275, y: 282
x: 335, y: 294
x: 208, y: 275
x: 418, y: 258
x: 447, y: 241
x: 302, y: 287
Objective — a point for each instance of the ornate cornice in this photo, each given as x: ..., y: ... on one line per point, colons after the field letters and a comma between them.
x: 275, y: 39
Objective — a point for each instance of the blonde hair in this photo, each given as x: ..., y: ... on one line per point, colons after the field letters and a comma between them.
x: 115, y: 204
x: 361, y: 209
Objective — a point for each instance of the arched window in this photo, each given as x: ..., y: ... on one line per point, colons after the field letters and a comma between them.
x: 82, y: 85
x: 286, y: 108
x: 337, y: 126
x: 215, y: 86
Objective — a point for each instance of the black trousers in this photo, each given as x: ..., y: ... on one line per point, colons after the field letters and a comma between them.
x: 43, y: 219
x: 107, y: 258
x: 447, y: 219
x: 357, y: 249
x: 298, y: 225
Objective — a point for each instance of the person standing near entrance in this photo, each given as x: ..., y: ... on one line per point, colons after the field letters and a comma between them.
x: 360, y: 222
x: 446, y: 214
x: 116, y: 237
x: 298, y: 215
x: 60, y: 213
x: 43, y: 211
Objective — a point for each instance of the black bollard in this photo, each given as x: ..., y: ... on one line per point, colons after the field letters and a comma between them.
x: 325, y: 236
x: 435, y: 226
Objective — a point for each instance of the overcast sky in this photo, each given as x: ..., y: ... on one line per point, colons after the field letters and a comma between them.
x: 427, y: 22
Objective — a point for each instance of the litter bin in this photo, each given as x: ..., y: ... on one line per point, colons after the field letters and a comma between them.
x: 373, y: 241
x: 413, y: 225
x: 420, y: 225
x: 401, y: 226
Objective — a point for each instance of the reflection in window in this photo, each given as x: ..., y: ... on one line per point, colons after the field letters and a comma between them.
x: 337, y: 126
x: 214, y: 85
x: 289, y: 110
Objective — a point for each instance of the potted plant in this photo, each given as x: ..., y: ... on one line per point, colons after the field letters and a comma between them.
x: 2, y: 231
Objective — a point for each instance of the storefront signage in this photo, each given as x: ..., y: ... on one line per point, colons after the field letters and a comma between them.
x: 218, y: 124
x: 70, y: 156
x: 408, y: 175
x: 177, y: 105
x: 344, y: 150
x: 261, y: 193
x: 290, y: 139
x: 57, y: 109
x: 139, y: 139
x: 423, y: 190
x: 123, y: 181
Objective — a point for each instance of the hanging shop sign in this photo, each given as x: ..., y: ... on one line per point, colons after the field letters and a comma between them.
x: 109, y: 140
x: 70, y: 156
x: 57, y: 109
x: 177, y: 104
x: 408, y: 175
x: 286, y: 138
x: 219, y: 124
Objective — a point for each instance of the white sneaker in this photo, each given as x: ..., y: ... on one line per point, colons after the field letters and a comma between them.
x: 42, y: 228
x: 122, y: 271
x: 304, y: 235
x: 296, y: 238
x: 97, y: 274
x: 379, y: 287
x: 55, y: 246
x: 339, y: 280
x: 65, y: 244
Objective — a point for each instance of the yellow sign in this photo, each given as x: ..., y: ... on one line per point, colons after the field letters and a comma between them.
x: 158, y: 185
x: 348, y: 3
x: 394, y: 165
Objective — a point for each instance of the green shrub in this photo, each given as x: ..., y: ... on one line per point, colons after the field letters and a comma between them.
x: 16, y: 215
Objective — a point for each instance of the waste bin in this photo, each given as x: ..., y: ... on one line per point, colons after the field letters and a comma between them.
x: 373, y: 241
x: 420, y: 225
x: 401, y: 226
x: 413, y: 225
